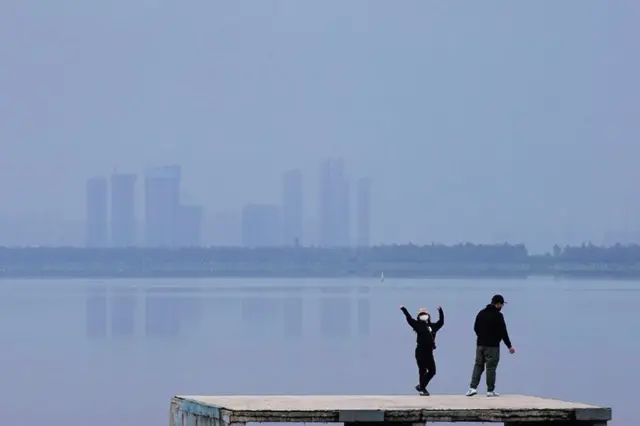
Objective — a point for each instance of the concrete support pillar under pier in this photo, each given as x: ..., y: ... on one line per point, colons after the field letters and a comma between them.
x: 382, y: 424
x: 558, y: 423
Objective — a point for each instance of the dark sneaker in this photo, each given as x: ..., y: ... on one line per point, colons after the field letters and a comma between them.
x: 422, y: 392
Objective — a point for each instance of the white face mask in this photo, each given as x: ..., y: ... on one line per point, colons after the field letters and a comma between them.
x: 424, y: 317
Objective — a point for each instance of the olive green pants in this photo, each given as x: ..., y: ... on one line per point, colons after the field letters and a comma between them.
x: 489, y: 356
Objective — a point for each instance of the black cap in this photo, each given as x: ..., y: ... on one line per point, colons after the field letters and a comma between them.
x: 497, y: 299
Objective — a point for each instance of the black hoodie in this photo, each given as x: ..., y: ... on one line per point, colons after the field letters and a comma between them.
x: 425, y: 331
x: 491, y: 328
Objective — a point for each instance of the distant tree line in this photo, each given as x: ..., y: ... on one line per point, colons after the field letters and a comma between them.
x: 397, y: 254
x: 590, y: 253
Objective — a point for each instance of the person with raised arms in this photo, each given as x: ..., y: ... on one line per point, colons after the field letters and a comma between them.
x: 425, y: 344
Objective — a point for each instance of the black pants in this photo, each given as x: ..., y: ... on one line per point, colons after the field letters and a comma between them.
x: 426, y: 366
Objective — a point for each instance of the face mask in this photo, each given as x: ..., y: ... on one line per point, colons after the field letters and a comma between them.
x: 424, y: 317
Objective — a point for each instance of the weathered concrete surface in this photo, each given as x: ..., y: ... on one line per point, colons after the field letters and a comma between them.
x: 226, y: 410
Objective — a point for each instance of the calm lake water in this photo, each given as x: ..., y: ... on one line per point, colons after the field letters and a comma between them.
x: 113, y: 352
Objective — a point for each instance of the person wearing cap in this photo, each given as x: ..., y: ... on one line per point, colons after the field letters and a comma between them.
x: 491, y: 329
x: 425, y: 344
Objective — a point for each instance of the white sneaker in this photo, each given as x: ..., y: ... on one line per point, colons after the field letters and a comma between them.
x: 494, y: 393
x: 471, y: 392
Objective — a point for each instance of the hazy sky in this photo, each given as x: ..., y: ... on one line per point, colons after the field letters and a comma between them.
x: 475, y: 120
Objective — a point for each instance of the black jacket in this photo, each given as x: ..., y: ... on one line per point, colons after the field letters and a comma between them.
x: 491, y: 328
x: 425, y: 331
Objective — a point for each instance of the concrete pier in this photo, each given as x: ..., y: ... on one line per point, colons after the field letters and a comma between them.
x: 512, y: 410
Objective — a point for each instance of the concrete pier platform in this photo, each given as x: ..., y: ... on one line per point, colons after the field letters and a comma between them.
x: 512, y: 410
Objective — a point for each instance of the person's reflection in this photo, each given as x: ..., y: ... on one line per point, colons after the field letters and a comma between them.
x: 292, y: 317
x: 96, y: 311
x: 123, y: 313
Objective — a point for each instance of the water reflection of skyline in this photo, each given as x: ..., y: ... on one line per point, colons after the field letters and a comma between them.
x: 48, y: 354
x: 161, y: 314
x: 170, y: 312
x: 115, y: 312
x: 294, y: 317
x: 123, y: 313
x: 335, y: 316
x: 118, y: 312
x: 292, y: 314
x: 96, y: 312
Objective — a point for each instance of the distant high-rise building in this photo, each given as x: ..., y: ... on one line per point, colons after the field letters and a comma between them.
x: 123, y: 210
x: 292, y: 207
x: 190, y: 226
x: 261, y: 226
x: 335, y: 230
x: 162, y: 206
x: 363, y: 211
x: 97, y: 197
x: 343, y: 195
x: 225, y: 229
